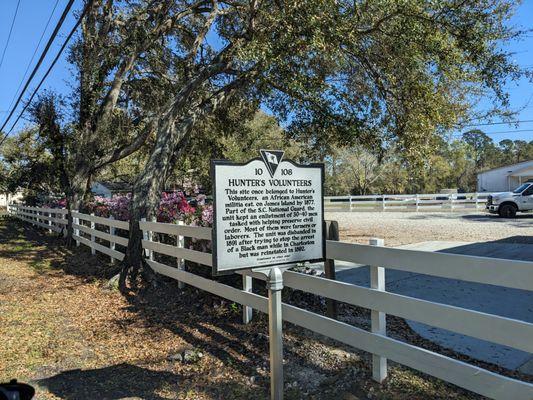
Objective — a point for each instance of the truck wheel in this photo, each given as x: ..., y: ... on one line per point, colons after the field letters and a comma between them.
x: 507, y: 211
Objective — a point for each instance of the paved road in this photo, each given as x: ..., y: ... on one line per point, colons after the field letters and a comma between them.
x: 510, y: 303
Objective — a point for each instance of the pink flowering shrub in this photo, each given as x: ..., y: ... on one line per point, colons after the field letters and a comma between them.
x: 207, y: 215
x: 173, y: 207
x: 62, y: 203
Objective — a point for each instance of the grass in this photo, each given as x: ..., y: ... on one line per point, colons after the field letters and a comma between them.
x: 72, y: 338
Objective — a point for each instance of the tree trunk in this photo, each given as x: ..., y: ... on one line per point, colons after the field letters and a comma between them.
x: 74, y: 194
x: 146, y: 196
x: 171, y: 139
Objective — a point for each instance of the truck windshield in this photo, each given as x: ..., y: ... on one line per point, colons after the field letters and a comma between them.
x: 521, y: 188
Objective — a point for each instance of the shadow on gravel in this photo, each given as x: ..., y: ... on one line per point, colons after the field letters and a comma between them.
x: 520, y: 221
x: 207, y: 324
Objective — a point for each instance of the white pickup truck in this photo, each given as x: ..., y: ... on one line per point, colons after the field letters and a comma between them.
x: 507, y: 204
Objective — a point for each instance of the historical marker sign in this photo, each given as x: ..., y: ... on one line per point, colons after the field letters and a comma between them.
x: 268, y: 211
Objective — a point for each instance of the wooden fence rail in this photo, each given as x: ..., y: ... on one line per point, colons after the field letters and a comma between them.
x: 53, y: 219
x: 407, y: 202
x: 92, y: 232
x: 505, y: 331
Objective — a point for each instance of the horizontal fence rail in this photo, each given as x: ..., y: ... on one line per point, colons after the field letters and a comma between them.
x: 407, y: 202
x: 497, y: 329
x: 90, y: 225
x: 53, y: 219
x: 493, y: 271
x: 493, y: 328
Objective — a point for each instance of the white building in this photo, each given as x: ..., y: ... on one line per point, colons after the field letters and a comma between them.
x: 8, y: 198
x: 506, y: 178
x: 108, y: 189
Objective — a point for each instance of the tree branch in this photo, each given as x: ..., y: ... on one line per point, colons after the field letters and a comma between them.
x: 128, y: 149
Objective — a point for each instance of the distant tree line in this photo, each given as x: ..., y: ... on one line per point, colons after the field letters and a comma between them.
x: 454, y: 164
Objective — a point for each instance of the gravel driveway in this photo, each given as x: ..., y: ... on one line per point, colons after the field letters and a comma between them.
x: 399, y: 228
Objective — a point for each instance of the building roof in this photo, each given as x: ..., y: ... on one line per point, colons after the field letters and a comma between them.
x: 117, y: 186
x: 520, y: 166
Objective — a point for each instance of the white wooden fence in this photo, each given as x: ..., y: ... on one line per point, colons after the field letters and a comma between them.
x: 407, y: 202
x: 53, y: 219
x: 89, y: 227
x: 493, y: 328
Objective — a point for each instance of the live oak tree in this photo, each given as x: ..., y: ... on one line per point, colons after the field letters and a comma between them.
x: 112, y: 110
x: 238, y: 136
x: 376, y: 72
x: 112, y: 102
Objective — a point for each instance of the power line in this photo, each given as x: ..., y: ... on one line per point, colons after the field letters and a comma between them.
x: 34, y: 53
x: 499, y: 123
x: 499, y: 132
x: 41, y: 58
x: 58, y: 55
x: 10, y: 32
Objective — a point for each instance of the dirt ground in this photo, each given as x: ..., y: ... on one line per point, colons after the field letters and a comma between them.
x: 398, y: 228
x: 68, y: 334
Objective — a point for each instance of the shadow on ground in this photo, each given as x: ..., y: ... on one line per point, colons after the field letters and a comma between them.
x: 114, y: 382
x: 210, y: 325
x: 520, y: 220
x: 518, y: 247
x: 207, y: 324
x: 123, y: 381
x: 478, y: 216
x: 47, y: 252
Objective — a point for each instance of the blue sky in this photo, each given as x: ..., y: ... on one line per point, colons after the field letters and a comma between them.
x: 33, y: 15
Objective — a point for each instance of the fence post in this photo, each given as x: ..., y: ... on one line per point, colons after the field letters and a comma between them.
x: 76, y: 220
x: 378, y: 318
x: 417, y: 199
x: 247, y: 286
x: 332, y: 233
x: 180, y: 262
x: 451, y: 202
x: 64, y: 227
x: 151, y: 239
x: 93, y: 238
x: 147, y: 235
x: 111, y: 243
x: 49, y: 222
x: 350, y: 202
x: 476, y: 198
x: 383, y: 205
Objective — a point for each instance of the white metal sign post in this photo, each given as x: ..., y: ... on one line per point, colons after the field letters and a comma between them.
x: 268, y: 216
x: 275, y: 332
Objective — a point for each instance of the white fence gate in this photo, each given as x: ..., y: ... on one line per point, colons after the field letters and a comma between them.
x: 493, y: 328
x: 407, y: 202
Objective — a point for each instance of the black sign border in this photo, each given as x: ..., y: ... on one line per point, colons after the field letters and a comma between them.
x: 214, y: 252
